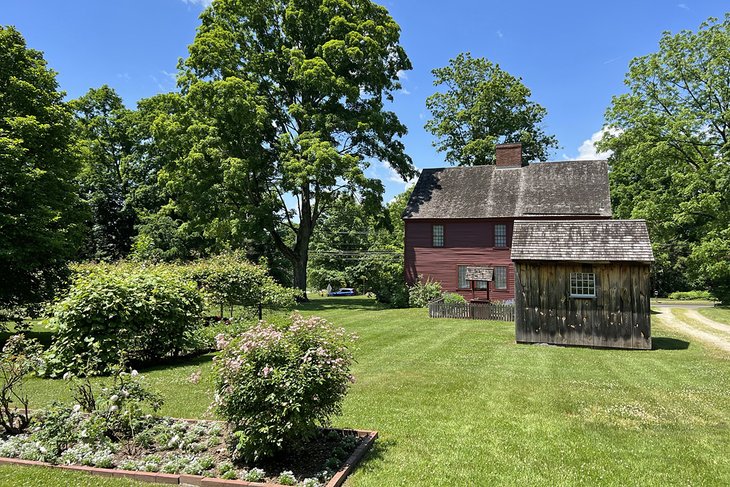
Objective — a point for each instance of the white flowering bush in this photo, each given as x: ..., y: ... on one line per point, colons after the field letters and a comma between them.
x: 276, y: 384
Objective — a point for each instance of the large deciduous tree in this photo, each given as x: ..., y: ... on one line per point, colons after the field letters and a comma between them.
x: 483, y: 106
x: 40, y: 212
x: 671, y: 160
x: 286, y: 104
x: 106, y: 180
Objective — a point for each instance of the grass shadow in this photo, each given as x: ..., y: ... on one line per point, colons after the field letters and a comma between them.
x: 173, y: 362
x: 44, y: 337
x: 345, y: 303
x: 376, y: 454
x: 666, y: 343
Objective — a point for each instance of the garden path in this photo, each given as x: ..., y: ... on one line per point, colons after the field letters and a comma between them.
x: 673, y: 321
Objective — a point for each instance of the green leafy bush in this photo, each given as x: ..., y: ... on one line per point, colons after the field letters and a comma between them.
x: 454, y: 298
x: 423, y: 293
x: 275, y: 384
x: 691, y: 295
x: 230, y: 280
x: 114, y: 311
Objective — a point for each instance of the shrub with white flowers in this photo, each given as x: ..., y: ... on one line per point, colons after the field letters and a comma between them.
x: 276, y: 384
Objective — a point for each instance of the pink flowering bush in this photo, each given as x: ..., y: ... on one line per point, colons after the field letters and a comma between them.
x: 276, y: 384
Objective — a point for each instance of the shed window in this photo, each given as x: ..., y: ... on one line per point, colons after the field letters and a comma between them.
x: 500, y: 235
x: 438, y: 236
x: 462, y: 283
x: 582, y: 285
x: 500, y: 278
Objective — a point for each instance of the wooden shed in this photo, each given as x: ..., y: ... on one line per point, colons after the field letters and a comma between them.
x: 583, y: 283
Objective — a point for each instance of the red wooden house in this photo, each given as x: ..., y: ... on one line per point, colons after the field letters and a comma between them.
x: 462, y: 217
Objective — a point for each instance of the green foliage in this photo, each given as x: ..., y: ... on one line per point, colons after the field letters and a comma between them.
x: 40, y: 212
x: 276, y: 384
x: 113, y: 311
x: 484, y: 106
x: 670, y: 162
x: 691, y: 295
x: 453, y: 298
x: 230, y: 279
x: 19, y: 358
x: 378, y: 239
x: 423, y: 293
x: 297, y: 111
x: 106, y: 181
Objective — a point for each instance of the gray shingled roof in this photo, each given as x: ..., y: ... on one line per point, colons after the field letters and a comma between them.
x: 582, y: 240
x: 574, y: 188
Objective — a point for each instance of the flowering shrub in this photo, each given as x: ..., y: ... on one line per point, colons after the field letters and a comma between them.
x: 275, y: 384
x: 423, y: 293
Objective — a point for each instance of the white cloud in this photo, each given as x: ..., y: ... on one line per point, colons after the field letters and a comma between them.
x: 587, y: 150
x: 683, y: 6
x: 401, y: 74
x: 202, y: 3
x: 499, y: 34
x: 405, y: 91
x: 395, y: 177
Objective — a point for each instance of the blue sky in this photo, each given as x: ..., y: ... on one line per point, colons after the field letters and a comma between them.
x: 573, y: 55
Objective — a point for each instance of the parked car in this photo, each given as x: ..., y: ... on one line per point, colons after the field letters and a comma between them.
x: 344, y: 291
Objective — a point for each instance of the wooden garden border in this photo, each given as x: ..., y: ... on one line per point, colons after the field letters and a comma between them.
x: 368, y: 438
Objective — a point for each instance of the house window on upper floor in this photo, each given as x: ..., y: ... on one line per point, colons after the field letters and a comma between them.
x: 582, y: 285
x: 438, y: 235
x: 500, y: 278
x: 462, y: 282
x: 500, y: 235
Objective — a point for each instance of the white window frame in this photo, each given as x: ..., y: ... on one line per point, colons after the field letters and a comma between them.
x: 497, y: 277
x: 440, y: 235
x: 502, y: 236
x: 582, y: 284
x: 461, y: 271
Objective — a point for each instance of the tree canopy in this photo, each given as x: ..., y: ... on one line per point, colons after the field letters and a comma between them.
x: 483, y: 106
x: 284, y: 107
x: 671, y: 159
x: 40, y: 213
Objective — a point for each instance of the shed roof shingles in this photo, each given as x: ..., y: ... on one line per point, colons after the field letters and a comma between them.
x: 570, y: 188
x: 582, y: 240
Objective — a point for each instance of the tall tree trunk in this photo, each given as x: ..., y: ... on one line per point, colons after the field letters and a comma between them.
x: 300, y: 276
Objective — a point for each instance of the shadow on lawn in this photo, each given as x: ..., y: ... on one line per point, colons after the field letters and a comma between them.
x: 376, y: 454
x: 666, y: 343
x: 169, y: 363
x: 44, y: 337
x: 353, y: 304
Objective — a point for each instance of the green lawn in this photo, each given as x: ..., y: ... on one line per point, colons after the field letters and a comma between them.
x: 459, y: 403
x: 681, y: 301
x: 721, y: 315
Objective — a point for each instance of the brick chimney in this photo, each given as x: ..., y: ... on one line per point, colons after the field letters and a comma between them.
x: 509, y: 155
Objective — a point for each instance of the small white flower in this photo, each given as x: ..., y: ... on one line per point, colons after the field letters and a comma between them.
x: 114, y: 398
x: 113, y: 408
x: 67, y: 376
x: 134, y: 373
x: 77, y: 408
x: 42, y: 450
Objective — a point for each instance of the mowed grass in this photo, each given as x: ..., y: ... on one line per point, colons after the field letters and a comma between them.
x: 721, y: 315
x: 457, y: 402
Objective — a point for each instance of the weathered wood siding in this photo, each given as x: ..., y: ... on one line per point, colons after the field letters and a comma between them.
x: 619, y: 315
x: 466, y: 242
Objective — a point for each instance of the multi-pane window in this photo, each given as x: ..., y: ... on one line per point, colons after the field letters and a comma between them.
x: 500, y: 278
x: 582, y: 284
x: 438, y: 235
x: 462, y: 277
x: 500, y: 235
x: 481, y: 284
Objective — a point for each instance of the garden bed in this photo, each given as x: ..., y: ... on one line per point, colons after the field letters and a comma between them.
x: 195, y: 452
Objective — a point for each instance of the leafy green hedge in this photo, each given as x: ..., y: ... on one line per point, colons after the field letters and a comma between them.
x: 114, y: 311
x: 690, y: 295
